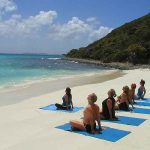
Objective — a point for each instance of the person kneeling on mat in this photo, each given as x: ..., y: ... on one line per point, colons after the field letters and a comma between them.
x: 108, y: 106
x: 132, y: 95
x: 67, y: 101
x: 91, y: 116
x: 123, y: 99
x: 141, y: 90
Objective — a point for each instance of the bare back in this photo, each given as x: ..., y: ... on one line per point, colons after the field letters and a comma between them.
x: 124, y: 98
x: 91, y: 114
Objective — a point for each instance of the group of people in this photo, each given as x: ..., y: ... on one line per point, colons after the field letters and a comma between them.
x: 92, y: 113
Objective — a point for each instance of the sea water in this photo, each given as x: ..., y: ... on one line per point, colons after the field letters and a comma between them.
x: 16, y: 69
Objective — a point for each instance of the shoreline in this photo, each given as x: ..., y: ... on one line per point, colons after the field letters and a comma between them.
x: 47, y: 86
x: 115, y: 65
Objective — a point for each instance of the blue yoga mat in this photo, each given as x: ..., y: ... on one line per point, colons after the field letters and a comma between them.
x: 127, y: 120
x: 144, y: 100
x: 138, y: 110
x: 53, y: 108
x: 143, y: 103
x: 141, y: 110
x: 109, y: 134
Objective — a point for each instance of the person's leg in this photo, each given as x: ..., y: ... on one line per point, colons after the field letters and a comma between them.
x: 123, y: 106
x: 77, y: 125
x: 94, y: 126
x: 88, y: 128
x: 59, y: 106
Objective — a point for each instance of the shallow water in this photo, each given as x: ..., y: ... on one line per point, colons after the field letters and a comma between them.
x: 24, y: 68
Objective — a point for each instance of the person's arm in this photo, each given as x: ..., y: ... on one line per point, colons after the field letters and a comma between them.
x: 144, y: 90
x: 127, y: 103
x: 131, y: 102
x: 131, y: 99
x: 109, y: 105
x: 98, y: 119
x: 71, y: 102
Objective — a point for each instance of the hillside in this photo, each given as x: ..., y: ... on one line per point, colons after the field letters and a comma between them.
x: 128, y: 43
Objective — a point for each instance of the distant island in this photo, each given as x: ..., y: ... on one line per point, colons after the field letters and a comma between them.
x: 128, y: 43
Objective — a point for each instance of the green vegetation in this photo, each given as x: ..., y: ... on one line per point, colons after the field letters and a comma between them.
x: 128, y: 43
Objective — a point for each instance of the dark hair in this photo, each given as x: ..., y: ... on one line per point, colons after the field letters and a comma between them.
x: 68, y: 91
x: 133, y: 86
x: 142, y: 82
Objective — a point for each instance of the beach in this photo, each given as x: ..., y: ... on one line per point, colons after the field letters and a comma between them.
x: 26, y: 127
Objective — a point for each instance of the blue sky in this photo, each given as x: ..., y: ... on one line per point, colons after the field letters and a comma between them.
x: 56, y: 26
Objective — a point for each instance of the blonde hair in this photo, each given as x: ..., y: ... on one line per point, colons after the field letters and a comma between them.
x: 93, y: 97
x: 126, y: 89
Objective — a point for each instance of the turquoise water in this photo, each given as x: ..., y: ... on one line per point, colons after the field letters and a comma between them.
x: 20, y: 68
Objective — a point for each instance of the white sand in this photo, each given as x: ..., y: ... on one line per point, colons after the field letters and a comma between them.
x: 25, y: 127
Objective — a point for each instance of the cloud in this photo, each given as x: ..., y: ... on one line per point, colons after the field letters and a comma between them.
x: 17, y: 26
x: 44, y: 33
x: 99, y: 33
x: 91, y: 19
x: 76, y: 30
x: 7, y: 6
x: 73, y: 29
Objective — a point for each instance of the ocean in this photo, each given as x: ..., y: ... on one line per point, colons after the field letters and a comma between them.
x: 16, y: 69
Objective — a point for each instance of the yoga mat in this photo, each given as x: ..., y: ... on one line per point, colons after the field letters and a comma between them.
x: 143, y: 100
x: 141, y: 110
x: 52, y: 107
x: 143, y: 103
x: 138, y: 110
x: 127, y: 120
x: 146, y: 99
x: 109, y: 134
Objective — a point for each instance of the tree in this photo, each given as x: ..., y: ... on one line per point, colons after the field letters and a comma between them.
x: 136, y: 53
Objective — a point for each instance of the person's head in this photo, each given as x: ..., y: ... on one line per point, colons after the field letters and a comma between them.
x: 142, y: 82
x: 133, y: 86
x: 92, y: 98
x: 111, y: 93
x: 68, y: 91
x: 126, y: 89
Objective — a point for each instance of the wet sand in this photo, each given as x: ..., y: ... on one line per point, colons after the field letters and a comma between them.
x: 18, y: 94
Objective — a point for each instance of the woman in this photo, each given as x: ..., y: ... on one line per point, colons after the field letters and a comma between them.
x: 123, y: 99
x: 108, y: 106
x: 67, y: 101
x: 141, y: 90
x: 132, y: 94
x: 91, y: 116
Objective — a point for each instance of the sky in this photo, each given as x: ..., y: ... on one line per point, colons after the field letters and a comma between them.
x: 57, y: 26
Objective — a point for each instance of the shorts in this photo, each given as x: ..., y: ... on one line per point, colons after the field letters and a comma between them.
x: 123, y: 106
x: 88, y: 128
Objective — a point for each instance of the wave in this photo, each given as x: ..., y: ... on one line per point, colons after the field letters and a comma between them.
x: 51, y: 58
x: 75, y: 62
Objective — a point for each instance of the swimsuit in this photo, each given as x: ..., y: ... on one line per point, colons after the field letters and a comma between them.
x: 139, y: 94
x: 106, y: 110
x: 88, y: 127
x: 63, y: 106
x: 123, y: 106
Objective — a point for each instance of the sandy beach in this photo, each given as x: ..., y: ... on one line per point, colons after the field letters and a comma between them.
x: 24, y: 126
